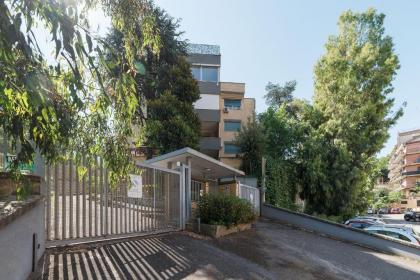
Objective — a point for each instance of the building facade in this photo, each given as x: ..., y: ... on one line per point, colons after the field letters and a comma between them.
x: 222, y: 107
x: 404, y: 168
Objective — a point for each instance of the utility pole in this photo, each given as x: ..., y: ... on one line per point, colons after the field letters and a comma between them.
x: 263, y: 188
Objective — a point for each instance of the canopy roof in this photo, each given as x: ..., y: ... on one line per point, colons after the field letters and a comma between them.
x: 202, y: 166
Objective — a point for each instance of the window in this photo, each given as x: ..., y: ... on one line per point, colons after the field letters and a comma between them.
x: 209, y: 74
x: 403, y: 202
x: 231, y: 148
x: 196, y: 71
x: 418, y: 203
x: 418, y: 160
x: 232, y: 125
x: 205, y: 73
x: 394, y: 235
x: 356, y: 225
x: 234, y: 104
x: 403, y: 237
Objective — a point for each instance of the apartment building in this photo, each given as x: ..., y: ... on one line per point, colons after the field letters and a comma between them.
x: 222, y: 108
x: 404, y: 168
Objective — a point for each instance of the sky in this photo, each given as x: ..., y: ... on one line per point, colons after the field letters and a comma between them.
x: 278, y: 41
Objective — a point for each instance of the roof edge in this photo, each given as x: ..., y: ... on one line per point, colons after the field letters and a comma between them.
x: 188, y: 150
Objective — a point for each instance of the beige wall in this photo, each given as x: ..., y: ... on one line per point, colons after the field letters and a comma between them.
x: 232, y: 161
x: 233, y: 91
x: 413, y: 147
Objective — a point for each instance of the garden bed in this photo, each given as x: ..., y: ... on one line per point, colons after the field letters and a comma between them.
x: 217, y: 231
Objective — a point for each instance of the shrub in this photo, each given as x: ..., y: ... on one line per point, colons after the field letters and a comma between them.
x: 223, y: 209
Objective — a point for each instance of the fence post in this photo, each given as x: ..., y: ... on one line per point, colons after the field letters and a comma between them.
x: 188, y: 187
x: 182, y: 203
x: 154, y: 199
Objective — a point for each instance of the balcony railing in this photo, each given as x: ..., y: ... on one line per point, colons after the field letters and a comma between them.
x: 413, y: 150
x: 408, y: 173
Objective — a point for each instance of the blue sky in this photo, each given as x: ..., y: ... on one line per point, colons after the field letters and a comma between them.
x: 278, y: 41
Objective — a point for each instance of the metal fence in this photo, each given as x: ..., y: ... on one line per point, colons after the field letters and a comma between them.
x: 83, y: 205
x: 251, y: 194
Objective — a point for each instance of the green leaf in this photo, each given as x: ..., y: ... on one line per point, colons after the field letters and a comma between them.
x: 89, y: 42
x: 140, y: 67
x: 57, y: 47
x: 44, y: 113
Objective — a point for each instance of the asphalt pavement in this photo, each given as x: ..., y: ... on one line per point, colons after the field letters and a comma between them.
x: 270, y: 250
x: 292, y: 253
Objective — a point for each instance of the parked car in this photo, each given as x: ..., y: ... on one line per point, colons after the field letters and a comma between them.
x: 395, y: 211
x: 413, y: 229
x: 370, y: 211
x: 412, y: 216
x: 371, y: 218
x: 383, y: 211
x: 362, y: 222
x: 397, y: 232
x: 359, y: 223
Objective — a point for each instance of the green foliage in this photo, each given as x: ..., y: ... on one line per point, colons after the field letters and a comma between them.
x: 62, y: 106
x: 278, y: 95
x: 325, y: 152
x: 352, y: 83
x: 416, y: 190
x: 277, y: 134
x: 335, y: 219
x: 383, y: 198
x: 167, y: 88
x: 224, y: 209
x: 394, y: 197
x: 172, y: 124
x: 281, y: 183
x: 250, y: 140
x: 23, y: 189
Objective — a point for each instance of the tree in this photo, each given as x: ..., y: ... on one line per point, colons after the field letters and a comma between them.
x: 277, y: 95
x: 167, y: 88
x: 353, y: 80
x: 250, y: 139
x: 57, y: 104
x: 276, y: 134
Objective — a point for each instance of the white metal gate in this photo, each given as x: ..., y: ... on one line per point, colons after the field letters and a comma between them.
x: 251, y: 194
x: 82, y: 208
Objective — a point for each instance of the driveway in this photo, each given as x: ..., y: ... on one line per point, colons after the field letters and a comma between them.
x: 270, y: 250
x: 291, y: 253
x: 165, y: 256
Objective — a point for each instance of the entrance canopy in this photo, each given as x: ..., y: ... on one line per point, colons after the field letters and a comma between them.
x: 202, y: 166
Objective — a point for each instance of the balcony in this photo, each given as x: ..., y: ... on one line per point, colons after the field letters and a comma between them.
x: 206, y: 115
x: 411, y: 173
x: 416, y: 162
x: 209, y: 87
x: 412, y: 150
x: 210, y: 143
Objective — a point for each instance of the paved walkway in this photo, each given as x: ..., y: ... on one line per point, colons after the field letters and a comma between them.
x: 269, y: 251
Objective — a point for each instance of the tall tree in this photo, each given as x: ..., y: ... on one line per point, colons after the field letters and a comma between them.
x: 277, y: 95
x: 276, y: 134
x: 167, y: 88
x: 353, y: 81
x: 251, y: 141
x: 55, y: 104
